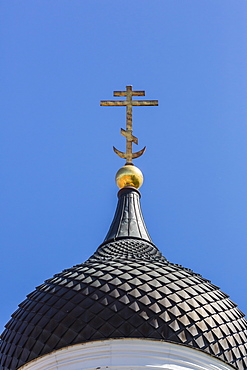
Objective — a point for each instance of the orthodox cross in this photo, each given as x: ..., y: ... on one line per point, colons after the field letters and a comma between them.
x: 129, y: 103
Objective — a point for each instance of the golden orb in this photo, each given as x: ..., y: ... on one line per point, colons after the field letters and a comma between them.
x: 129, y: 175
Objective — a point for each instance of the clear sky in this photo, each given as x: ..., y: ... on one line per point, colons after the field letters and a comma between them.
x: 58, y: 196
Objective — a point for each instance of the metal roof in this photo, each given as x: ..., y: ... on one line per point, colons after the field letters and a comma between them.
x: 127, y: 289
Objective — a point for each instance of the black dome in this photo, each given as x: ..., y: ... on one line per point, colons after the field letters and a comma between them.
x: 127, y: 289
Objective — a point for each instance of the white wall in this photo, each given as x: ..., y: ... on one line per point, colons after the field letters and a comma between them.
x: 127, y: 354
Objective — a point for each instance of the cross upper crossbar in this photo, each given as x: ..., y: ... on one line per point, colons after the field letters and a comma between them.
x: 133, y: 93
x: 129, y: 103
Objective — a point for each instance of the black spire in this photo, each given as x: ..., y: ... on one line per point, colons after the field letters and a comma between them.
x: 128, y: 237
x: 128, y: 221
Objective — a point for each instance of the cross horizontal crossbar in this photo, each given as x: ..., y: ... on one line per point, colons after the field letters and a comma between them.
x: 133, y: 93
x: 135, y: 103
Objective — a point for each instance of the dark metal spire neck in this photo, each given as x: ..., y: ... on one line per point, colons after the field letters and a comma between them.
x: 128, y: 238
x: 128, y: 221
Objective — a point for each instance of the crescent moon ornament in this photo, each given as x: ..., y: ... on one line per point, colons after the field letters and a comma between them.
x: 129, y: 103
x: 134, y: 155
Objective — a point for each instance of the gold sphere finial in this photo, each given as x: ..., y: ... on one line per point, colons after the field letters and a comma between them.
x: 129, y: 175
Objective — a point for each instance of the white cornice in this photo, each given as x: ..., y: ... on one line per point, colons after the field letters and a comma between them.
x: 127, y: 354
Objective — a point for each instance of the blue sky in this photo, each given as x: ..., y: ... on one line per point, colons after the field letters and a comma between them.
x: 58, y: 60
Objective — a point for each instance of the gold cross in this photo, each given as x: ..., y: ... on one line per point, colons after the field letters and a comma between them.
x: 129, y: 103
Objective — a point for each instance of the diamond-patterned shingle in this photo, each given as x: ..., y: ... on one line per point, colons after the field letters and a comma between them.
x: 113, y: 303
